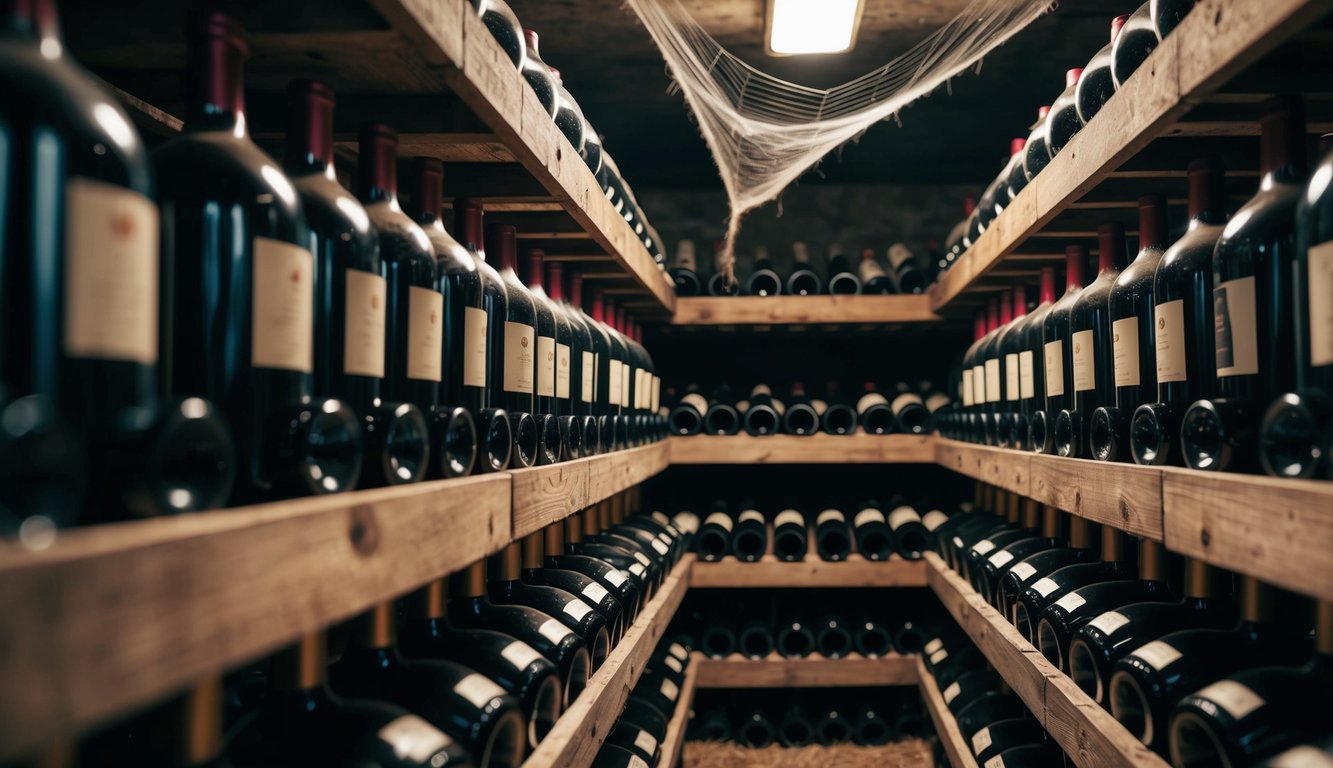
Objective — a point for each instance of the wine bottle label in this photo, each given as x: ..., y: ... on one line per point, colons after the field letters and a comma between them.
x: 1027, y: 382
x: 1055, y: 368
x: 937, y: 401
x: 1070, y: 602
x: 868, y: 516
x: 478, y: 689
x: 934, y: 519
x: 1236, y: 698
x: 1302, y: 757
x: 952, y: 692
x: 519, y: 348
x: 587, y: 375
x: 1023, y: 571
x: 637, y: 569
x: 777, y: 405
x: 363, y: 329
x: 657, y: 393
x: 613, y: 382
x: 554, y: 631
x: 695, y: 401
x: 957, y: 542
x: 576, y: 609
x: 1158, y: 654
x: 750, y: 515
x: 595, y: 592
x: 760, y: 389
x: 663, y: 549
x: 939, y: 656
x: 720, y: 519
x: 660, y: 518
x: 546, y: 366
x: 616, y: 578
x: 870, y: 269
x: 637, y: 762
x: 979, y: 385
x: 412, y: 738
x: 1109, y: 622
x: 994, y: 762
x: 1011, y: 376
x: 1001, y: 559
x: 869, y: 400
x: 1319, y: 299
x: 111, y: 273
x: 282, y: 309
x: 520, y: 654
x: 905, y: 399
x: 967, y: 387
x: 670, y: 690
x: 562, y: 371
x: 981, y: 741
x: 425, y: 322
x: 1045, y: 586
x: 1169, y: 339
x: 646, y: 742
x: 673, y: 664
x: 475, y: 323
x: 831, y: 515
x: 678, y: 650
x: 1125, y: 351
x: 983, y: 546
x: 933, y: 645
x: 1234, y: 328
x: 993, y: 381
x: 789, y: 517
x: 1085, y: 374
x: 641, y: 396
x: 643, y: 559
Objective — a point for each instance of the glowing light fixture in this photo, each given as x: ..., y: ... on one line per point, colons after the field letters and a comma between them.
x: 811, y: 26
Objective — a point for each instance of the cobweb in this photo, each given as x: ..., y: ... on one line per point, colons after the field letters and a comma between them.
x: 765, y: 132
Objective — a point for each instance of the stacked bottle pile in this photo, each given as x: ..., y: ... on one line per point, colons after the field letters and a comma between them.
x: 637, y: 737
x: 901, y: 272
x: 906, y: 409
x: 1205, y: 667
x: 268, y: 333
x: 867, y: 717
x: 1086, y: 90
x: 1212, y: 351
x: 870, y: 529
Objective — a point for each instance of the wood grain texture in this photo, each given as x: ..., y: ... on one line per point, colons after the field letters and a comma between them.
x: 769, y: 572
x: 820, y: 448
x: 946, y: 727
x: 545, y: 495
x: 797, y: 310
x: 1085, y: 731
x: 581, y: 730
x: 774, y: 671
x: 1279, y: 530
x: 115, y: 617
x: 1010, y: 470
x: 674, y: 742
x: 612, y: 473
x: 1126, y: 496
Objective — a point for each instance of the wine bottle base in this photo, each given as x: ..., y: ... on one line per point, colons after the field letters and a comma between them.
x: 1152, y: 434
x: 496, y: 441
x: 1295, y: 437
x: 526, y: 440
x: 1107, y: 434
x: 454, y: 440
x: 398, y: 445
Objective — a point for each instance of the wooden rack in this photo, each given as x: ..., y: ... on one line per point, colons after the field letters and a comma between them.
x: 820, y: 448
x: 1085, y: 731
x: 770, y: 572
x: 774, y: 671
x: 719, y: 312
x: 674, y: 743
x: 946, y: 727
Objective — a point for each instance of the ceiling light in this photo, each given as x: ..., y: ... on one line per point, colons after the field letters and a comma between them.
x: 811, y: 26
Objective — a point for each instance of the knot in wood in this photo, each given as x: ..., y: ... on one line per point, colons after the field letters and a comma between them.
x: 362, y: 531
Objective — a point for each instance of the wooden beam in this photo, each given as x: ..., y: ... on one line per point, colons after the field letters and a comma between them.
x: 774, y: 671
x: 791, y: 310
x: 813, y: 573
x: 820, y: 448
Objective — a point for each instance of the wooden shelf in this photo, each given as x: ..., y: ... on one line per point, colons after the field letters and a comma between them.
x: 1276, y: 529
x: 1170, y: 96
x: 581, y: 730
x: 819, y: 448
x: 1088, y: 734
x: 769, y: 572
x: 803, y: 310
x: 674, y: 743
x: 852, y: 671
x: 946, y: 727
x: 545, y: 495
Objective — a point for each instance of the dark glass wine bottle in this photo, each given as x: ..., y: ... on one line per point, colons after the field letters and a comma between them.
x: 796, y: 729
x: 749, y: 538
x: 538, y: 74
x: 1064, y: 120
x: 239, y: 326
x: 1050, y: 589
x: 503, y: 25
x: 992, y: 360
x: 839, y: 417
x: 795, y: 638
x: 593, y: 386
x: 579, y: 610
x: 1057, y: 362
x: 684, y: 271
x: 1010, y: 347
x: 763, y: 280
x: 870, y: 528
x: 582, y: 367
x: 871, y: 638
x: 517, y: 341
x: 1183, y: 329
x: 910, y: 415
x: 910, y: 535
x: 874, y: 413
x: 1137, y: 38
x: 833, y: 539
x: 713, y: 541
x: 1097, y: 84
x: 610, y: 369
x: 800, y: 416
x: 1031, y: 369
x: 566, y: 551
x: 1004, y: 735
x: 842, y: 280
x: 1133, y: 346
x: 803, y: 280
x: 791, y: 536
x: 1166, y: 14
x: 764, y: 416
x: 552, y: 364
x: 1036, y: 153
x: 967, y: 381
x: 874, y: 279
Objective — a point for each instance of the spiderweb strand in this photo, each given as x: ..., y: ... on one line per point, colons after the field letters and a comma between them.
x: 765, y: 132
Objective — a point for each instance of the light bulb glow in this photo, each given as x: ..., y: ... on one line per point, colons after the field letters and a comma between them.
x: 812, y: 26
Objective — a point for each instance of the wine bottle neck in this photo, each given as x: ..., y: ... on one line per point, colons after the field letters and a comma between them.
x: 1074, y: 258
x: 1152, y: 222
x: 1110, y: 248
x: 34, y: 20
x: 1256, y: 601
x: 428, y: 173
x: 301, y: 667
x: 377, y: 169
x: 1150, y: 560
x: 473, y: 582
x: 509, y: 563
x: 216, y: 63
x: 1282, y: 141
x: 374, y: 629
x: 201, y: 722
x: 1207, y: 192
x: 536, y: 266
x: 1047, y: 293
x: 534, y: 551
x: 310, y: 128
x: 432, y: 600
x: 467, y: 226
x: 502, y: 241
x: 555, y: 278
x: 576, y: 291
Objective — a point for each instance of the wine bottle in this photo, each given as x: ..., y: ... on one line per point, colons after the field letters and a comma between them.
x: 969, y: 686
x: 967, y: 381
x: 908, y: 638
x: 1036, y: 152
x: 1037, y: 566
x: 1097, y: 84
x: 790, y: 536
x: 1137, y: 38
x: 458, y: 700
x: 1183, y: 333
x: 635, y: 740
x: 953, y: 242
x: 569, y: 120
x: 799, y: 415
x: 613, y: 371
x: 764, y: 415
x: 717, y: 284
x: 985, y: 710
x: 873, y: 277
x: 755, y: 731
x: 1252, y: 296
x: 1003, y: 187
x: 1009, y: 347
x: 261, y: 319
x: 684, y: 274
x: 910, y: 536
x: 714, y: 537
x: 988, y: 577
x: 874, y: 538
x: 835, y: 727
x: 986, y: 384
x: 85, y: 432
x: 841, y: 279
x: 1050, y: 589
x: 1090, y: 346
x: 713, y: 725
x: 803, y: 280
x: 503, y: 25
x: 593, y: 388
x: 796, y: 729
x: 577, y: 369
x: 1004, y: 735
x: 910, y: 415
x: 838, y: 418
x: 755, y: 640
x: 687, y: 416
x: 795, y: 638
x: 517, y: 343
x: 1057, y: 363
x: 833, y: 540
x: 976, y: 556
x: 908, y: 276
x: 718, y: 640
x: 749, y: 537
x: 538, y: 74
x: 833, y: 638
x: 565, y: 550
x: 1133, y: 345
x: 874, y: 412
x: 552, y: 360
x: 1064, y: 121
x: 302, y: 722
x: 1317, y: 753
x: 1031, y: 368
x: 505, y: 587
x: 1109, y: 637
x: 721, y: 417
x: 533, y: 572
x: 763, y: 279
x: 871, y: 638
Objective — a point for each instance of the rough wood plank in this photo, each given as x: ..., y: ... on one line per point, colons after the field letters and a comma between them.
x: 674, y: 742
x: 1089, y: 734
x: 114, y: 617
x: 1277, y: 529
x: 612, y: 473
x: 774, y: 671
x: 811, y: 449
x: 1126, y: 496
x: 545, y: 495
x: 946, y: 727
x: 1008, y: 469
x: 791, y: 310
x: 769, y: 572
x: 581, y: 730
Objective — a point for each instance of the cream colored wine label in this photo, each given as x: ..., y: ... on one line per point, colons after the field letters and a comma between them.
x: 1169, y: 339
x: 1236, y: 698
x: 978, y: 385
x: 830, y: 515
x: 545, y: 366
x: 981, y: 741
x: 553, y: 630
x: 1085, y: 374
x: 478, y: 689
x: 1125, y: 351
x: 282, y: 307
x: 789, y: 517
x: 587, y: 375
x: 750, y: 515
x: 1109, y: 622
x: 868, y: 516
x: 562, y: 363
x: 1011, y: 376
x: 613, y: 382
x: 1070, y: 602
x: 1023, y: 572
x: 1045, y: 586
x: 993, y: 382
x: 719, y: 518
x: 520, y: 343
x: 1157, y: 654
x: 905, y: 399
x: 902, y: 516
x: 425, y: 334
x: 1027, y: 385
x: 475, y: 324
x: 111, y: 280
x: 1055, y: 368
x: 967, y: 387
x: 520, y: 654
x: 1319, y: 298
x: 1001, y: 559
x: 983, y: 546
x: 363, y: 332
x: 414, y: 739
x: 595, y: 592
x: 1234, y: 328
